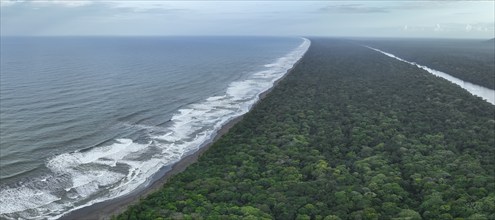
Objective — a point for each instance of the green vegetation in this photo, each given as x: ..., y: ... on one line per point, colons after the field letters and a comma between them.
x: 469, y: 60
x: 349, y: 134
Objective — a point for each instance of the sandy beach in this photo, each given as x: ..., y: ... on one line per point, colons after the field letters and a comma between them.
x: 105, y: 210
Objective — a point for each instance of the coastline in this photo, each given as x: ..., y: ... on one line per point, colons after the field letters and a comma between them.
x: 106, y: 209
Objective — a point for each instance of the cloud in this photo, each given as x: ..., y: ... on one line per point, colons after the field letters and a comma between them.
x: 5, y: 3
x: 153, y: 17
x: 88, y: 7
x: 353, y: 9
x: 412, y: 28
x: 151, y: 11
x: 450, y: 28
x: 65, y: 3
x: 469, y: 27
x: 438, y: 28
x: 388, y: 6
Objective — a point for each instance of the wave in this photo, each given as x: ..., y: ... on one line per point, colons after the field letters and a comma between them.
x: 82, y: 178
x: 480, y: 91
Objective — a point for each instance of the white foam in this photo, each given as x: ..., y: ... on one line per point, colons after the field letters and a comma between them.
x: 143, y: 127
x: 483, y: 92
x: 23, y: 198
x: 80, y: 175
x: 100, y: 155
x: 247, y: 89
x: 215, y: 98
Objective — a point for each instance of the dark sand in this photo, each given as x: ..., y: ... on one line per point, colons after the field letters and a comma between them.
x: 105, y: 210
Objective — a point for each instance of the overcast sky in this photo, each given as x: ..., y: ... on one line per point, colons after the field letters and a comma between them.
x: 439, y: 19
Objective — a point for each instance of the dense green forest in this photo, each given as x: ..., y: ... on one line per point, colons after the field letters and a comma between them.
x: 349, y: 134
x: 469, y: 60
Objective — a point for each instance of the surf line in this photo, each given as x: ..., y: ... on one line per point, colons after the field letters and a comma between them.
x: 477, y: 90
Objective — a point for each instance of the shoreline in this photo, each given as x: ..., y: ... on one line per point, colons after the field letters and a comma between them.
x: 106, y: 209
x: 485, y: 93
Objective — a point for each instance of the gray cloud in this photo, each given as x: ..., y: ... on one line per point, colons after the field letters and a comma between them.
x: 151, y: 11
x: 450, y: 27
x: 354, y: 18
x: 353, y: 9
x: 390, y: 6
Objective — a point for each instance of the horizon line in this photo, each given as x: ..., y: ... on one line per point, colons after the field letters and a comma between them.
x: 303, y: 36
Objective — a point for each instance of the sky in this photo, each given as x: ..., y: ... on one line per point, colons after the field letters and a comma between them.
x: 425, y: 19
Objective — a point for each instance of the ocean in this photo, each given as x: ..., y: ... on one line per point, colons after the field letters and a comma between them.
x: 89, y: 119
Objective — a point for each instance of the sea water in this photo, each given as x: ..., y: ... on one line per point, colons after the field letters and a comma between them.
x: 88, y: 119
